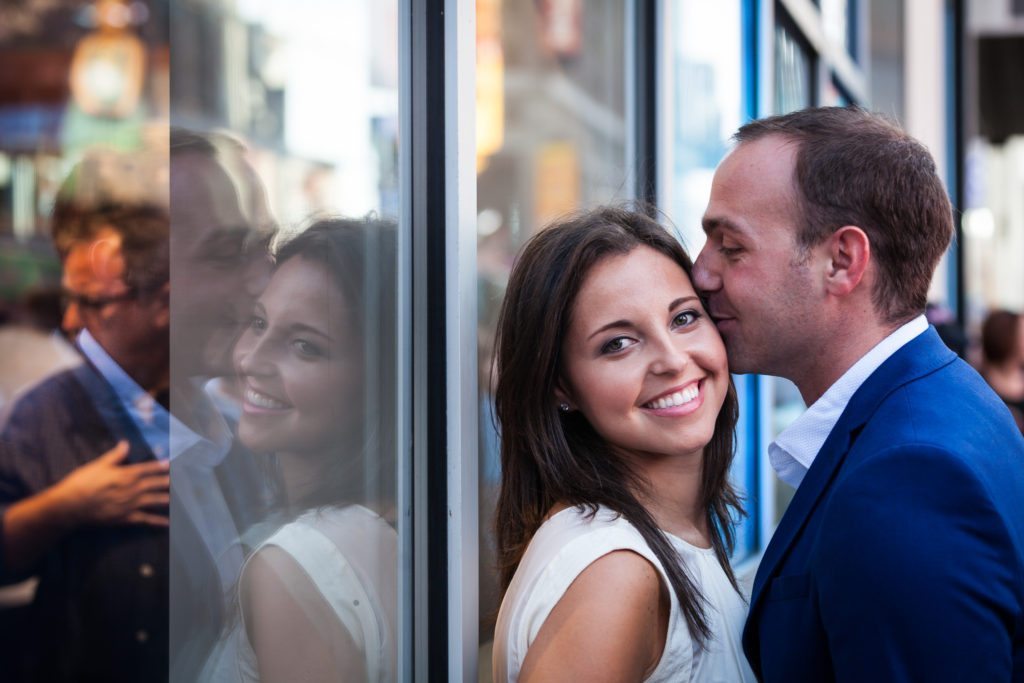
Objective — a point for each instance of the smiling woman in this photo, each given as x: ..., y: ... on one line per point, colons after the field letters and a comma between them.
x: 617, y: 412
x: 314, y: 363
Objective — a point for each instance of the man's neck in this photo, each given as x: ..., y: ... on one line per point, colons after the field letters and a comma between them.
x: 848, y: 344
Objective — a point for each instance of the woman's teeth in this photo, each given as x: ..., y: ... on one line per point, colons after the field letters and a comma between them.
x: 260, y: 401
x: 677, y: 399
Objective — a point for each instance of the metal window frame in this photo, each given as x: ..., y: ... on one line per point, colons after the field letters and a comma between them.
x: 441, y: 180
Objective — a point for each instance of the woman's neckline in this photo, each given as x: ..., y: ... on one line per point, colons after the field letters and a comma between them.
x: 672, y: 537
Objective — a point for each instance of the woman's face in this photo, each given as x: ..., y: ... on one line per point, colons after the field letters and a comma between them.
x: 299, y: 364
x: 642, y: 361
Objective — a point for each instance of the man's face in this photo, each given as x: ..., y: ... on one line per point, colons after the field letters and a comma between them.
x: 760, y: 288
x: 215, y: 274
x: 122, y: 322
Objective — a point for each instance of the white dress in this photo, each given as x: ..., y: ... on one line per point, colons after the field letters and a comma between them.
x: 566, y: 544
x: 350, y: 555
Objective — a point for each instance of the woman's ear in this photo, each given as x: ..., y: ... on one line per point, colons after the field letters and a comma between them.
x: 563, y: 397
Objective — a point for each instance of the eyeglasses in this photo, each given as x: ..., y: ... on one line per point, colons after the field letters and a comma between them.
x: 67, y: 297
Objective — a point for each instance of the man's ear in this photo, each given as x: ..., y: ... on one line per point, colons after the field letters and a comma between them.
x: 849, y: 251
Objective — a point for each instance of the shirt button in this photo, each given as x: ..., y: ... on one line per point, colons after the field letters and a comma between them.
x: 141, y: 636
x: 145, y: 570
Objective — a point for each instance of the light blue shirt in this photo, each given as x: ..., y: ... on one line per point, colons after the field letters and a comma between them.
x: 794, y: 450
x: 151, y: 418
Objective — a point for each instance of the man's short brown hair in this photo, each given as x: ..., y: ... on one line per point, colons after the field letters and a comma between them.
x: 858, y: 168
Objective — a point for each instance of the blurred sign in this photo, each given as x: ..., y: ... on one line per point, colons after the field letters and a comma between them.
x: 557, y: 179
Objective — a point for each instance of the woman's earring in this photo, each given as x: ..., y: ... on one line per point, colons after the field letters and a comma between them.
x: 564, y: 407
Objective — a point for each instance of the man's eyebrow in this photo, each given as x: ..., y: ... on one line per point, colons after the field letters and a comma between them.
x: 711, y: 224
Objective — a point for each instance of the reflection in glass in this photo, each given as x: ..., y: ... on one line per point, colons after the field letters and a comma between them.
x: 284, y: 550
x: 315, y: 366
x: 705, y: 85
x: 793, y: 73
x: 83, y: 247
x: 552, y: 137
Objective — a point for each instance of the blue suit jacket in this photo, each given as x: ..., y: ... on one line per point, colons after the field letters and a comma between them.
x: 901, y: 556
x: 100, y: 612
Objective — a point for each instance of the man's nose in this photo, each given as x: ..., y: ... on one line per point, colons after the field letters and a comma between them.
x: 705, y: 279
x: 71, y: 322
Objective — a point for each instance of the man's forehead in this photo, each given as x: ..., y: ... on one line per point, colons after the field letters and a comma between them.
x: 98, y: 261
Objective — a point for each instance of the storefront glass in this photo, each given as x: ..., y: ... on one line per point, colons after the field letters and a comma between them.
x: 284, y: 147
x: 552, y: 137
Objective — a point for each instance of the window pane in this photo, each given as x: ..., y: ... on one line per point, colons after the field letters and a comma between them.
x: 551, y: 137
x: 284, y: 464
x: 793, y: 72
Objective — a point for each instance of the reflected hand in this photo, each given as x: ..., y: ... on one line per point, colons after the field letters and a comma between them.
x: 105, y: 491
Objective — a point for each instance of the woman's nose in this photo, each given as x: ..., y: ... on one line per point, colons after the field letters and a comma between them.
x: 254, y: 355
x: 669, y: 357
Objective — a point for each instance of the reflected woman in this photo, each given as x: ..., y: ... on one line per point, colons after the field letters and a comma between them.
x: 318, y: 597
x: 617, y: 416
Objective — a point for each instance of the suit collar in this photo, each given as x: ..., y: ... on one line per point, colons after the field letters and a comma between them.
x: 111, y: 410
x: 921, y: 356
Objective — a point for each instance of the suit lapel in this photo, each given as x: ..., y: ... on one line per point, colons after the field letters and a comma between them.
x: 922, y: 355
x: 111, y: 411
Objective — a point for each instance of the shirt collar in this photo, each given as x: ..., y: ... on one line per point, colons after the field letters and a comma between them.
x: 210, y: 445
x: 794, y: 450
x: 149, y: 416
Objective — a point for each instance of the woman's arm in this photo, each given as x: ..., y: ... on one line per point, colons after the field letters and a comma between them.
x: 610, y: 625
x: 294, y: 632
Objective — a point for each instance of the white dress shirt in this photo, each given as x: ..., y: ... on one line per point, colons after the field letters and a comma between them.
x: 793, y: 451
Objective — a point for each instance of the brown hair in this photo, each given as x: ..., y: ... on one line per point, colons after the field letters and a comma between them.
x: 858, y: 168
x: 144, y: 230
x: 999, y: 337
x: 549, y: 457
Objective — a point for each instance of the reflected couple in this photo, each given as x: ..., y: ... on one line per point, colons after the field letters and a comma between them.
x: 316, y: 599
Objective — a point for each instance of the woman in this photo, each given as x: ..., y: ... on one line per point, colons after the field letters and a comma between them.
x: 317, y: 598
x: 617, y: 417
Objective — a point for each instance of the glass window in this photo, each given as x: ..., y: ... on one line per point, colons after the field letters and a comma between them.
x: 552, y: 137
x: 284, y: 375
x: 794, y: 71
x: 705, y: 91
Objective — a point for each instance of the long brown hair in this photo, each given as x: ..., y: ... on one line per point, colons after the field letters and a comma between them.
x: 548, y: 457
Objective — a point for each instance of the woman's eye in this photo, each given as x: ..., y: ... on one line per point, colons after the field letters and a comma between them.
x: 685, y: 318
x: 257, y: 323
x: 307, y: 349
x: 615, y: 345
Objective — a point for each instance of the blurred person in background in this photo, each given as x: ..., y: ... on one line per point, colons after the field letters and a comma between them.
x: 31, y: 345
x: 83, y: 491
x: 1002, y: 359
x: 316, y: 600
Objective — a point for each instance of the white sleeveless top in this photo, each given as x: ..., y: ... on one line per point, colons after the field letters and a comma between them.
x: 349, y: 555
x: 566, y: 544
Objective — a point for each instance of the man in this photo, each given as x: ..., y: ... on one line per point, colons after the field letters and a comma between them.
x: 83, y: 491
x: 901, y: 556
x: 219, y: 263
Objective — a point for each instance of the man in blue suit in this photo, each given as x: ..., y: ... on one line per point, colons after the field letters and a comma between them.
x: 901, y: 556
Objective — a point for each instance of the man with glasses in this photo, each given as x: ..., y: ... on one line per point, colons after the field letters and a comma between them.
x: 83, y: 471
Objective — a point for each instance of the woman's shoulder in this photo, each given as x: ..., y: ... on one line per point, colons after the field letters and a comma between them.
x: 585, y: 532
x: 567, y: 544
